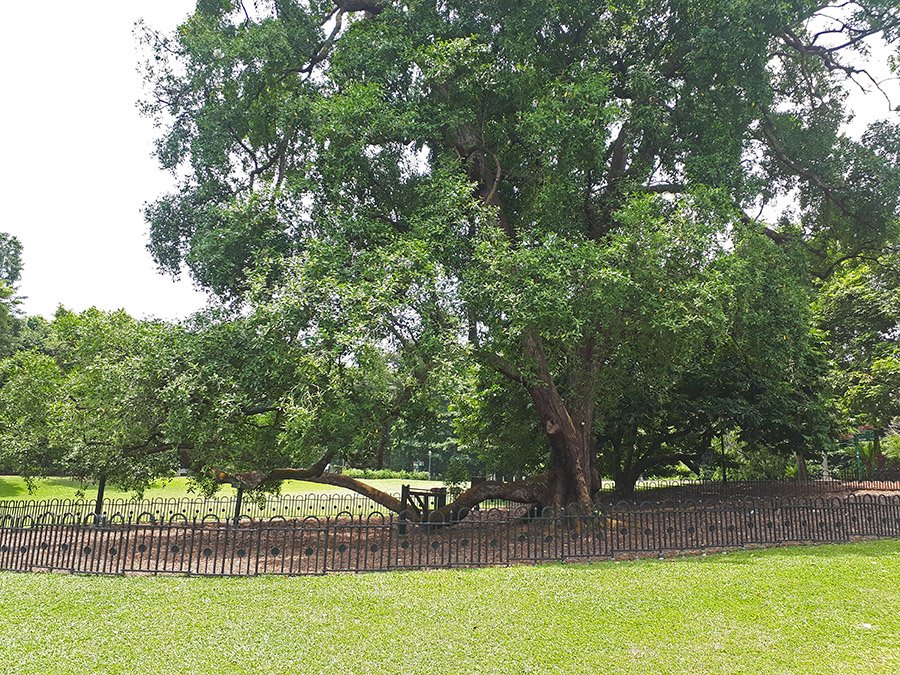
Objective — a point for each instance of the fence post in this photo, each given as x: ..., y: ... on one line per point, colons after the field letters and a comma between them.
x: 98, y: 505
x: 724, y: 462
x: 237, y: 504
x: 404, y: 505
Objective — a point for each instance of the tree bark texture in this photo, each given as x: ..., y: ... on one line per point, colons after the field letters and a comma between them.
x: 569, y: 474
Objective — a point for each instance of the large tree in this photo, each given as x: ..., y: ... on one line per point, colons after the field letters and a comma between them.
x: 538, y: 192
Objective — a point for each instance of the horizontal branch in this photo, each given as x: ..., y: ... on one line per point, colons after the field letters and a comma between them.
x: 386, y: 500
x: 663, y: 188
x: 528, y: 491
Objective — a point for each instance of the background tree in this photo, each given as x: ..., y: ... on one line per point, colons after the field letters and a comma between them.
x: 94, y: 401
x: 859, y: 308
x: 501, y: 186
x: 10, y: 273
x: 10, y: 259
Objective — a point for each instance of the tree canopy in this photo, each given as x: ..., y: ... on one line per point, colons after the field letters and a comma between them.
x: 13, y: 330
x: 93, y: 400
x: 859, y: 308
x: 575, y: 239
x: 545, y: 216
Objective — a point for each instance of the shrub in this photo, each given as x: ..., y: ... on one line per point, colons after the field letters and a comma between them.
x: 372, y: 474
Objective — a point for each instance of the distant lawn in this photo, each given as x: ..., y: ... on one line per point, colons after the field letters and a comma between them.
x: 14, y: 487
x: 826, y: 609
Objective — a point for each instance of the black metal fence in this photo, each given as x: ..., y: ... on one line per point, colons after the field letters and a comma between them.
x: 325, y: 505
x: 348, y: 542
x: 161, y: 510
x: 838, y: 481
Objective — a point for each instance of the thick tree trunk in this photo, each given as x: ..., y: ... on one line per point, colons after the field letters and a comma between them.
x: 569, y: 478
x: 626, y: 478
x: 572, y: 476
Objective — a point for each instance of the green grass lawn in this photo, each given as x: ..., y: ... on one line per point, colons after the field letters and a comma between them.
x: 825, y: 609
x: 14, y: 487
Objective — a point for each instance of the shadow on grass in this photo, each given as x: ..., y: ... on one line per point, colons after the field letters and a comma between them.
x: 11, y: 488
x: 14, y: 487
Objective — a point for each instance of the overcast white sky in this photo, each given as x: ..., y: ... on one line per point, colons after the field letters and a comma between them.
x: 76, y: 156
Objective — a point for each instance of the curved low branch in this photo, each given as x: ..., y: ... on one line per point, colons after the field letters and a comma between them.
x: 528, y: 491
x: 386, y: 500
x: 314, y: 474
x: 251, y: 480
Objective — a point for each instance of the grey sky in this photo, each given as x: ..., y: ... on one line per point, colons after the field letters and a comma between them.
x: 77, y: 163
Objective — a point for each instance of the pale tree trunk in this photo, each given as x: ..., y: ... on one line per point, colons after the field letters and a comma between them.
x: 384, y: 438
x: 802, y: 473
x: 583, y: 418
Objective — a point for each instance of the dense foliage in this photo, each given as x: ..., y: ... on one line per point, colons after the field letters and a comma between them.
x: 536, y: 215
x: 529, y: 234
x: 92, y: 400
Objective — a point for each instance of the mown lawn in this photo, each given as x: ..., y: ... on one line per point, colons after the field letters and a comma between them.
x: 825, y: 609
x: 14, y: 487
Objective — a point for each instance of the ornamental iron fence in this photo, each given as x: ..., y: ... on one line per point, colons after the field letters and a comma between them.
x: 350, y: 542
x: 330, y: 504
x: 161, y: 510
